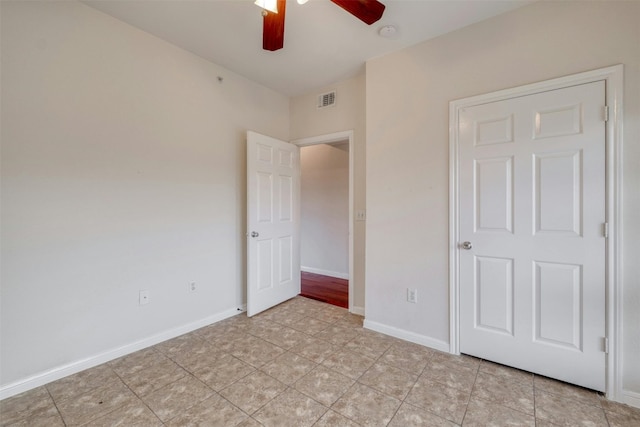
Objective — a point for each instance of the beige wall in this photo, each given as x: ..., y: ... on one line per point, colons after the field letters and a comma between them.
x: 348, y: 114
x: 123, y: 168
x: 324, y: 209
x: 407, y: 100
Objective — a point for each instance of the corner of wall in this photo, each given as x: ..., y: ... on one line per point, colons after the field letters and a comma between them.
x: 407, y: 336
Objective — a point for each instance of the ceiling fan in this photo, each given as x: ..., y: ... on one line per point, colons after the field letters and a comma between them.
x: 368, y: 11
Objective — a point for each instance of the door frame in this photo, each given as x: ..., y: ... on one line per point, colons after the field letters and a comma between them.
x: 613, y: 77
x: 329, y: 139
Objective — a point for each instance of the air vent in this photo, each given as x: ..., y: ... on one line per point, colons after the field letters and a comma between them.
x: 327, y: 99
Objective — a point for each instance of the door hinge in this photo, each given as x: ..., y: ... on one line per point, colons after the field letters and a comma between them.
x: 605, y: 229
x: 606, y: 113
x: 605, y: 344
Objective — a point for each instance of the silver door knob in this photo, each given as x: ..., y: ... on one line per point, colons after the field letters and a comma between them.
x: 466, y: 245
x: 254, y: 234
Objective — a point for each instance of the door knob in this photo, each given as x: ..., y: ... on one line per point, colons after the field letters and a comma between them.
x: 466, y: 245
x: 254, y: 234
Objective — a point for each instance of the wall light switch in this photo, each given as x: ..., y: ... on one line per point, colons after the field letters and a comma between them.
x: 361, y: 215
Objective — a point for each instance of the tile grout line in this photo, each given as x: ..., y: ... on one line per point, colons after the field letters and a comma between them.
x: 91, y: 390
x: 378, y: 359
x: 355, y: 381
x: 466, y: 409
x: 288, y: 387
x: 55, y: 405
x: 500, y: 404
x: 173, y: 382
x: 535, y: 407
x: 422, y: 373
x: 136, y: 395
x: 401, y: 400
x: 330, y: 407
x: 193, y: 375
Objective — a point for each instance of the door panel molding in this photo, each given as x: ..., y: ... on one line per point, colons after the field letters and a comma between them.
x: 613, y: 78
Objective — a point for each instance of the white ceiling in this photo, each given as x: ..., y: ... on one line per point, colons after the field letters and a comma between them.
x: 323, y: 43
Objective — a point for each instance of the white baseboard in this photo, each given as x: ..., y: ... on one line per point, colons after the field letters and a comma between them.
x: 631, y: 398
x: 325, y: 272
x: 407, y: 336
x: 357, y: 310
x: 50, y: 375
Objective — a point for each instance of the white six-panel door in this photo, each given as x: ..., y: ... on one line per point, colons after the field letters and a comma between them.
x: 532, y: 208
x: 273, y: 222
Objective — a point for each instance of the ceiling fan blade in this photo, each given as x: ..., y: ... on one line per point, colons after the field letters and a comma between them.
x: 368, y: 11
x: 273, y: 28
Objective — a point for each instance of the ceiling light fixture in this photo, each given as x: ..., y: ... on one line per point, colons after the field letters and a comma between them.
x: 270, y: 5
x: 302, y: 1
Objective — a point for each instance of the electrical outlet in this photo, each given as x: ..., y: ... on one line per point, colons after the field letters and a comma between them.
x: 144, y: 298
x: 412, y: 295
x: 192, y: 287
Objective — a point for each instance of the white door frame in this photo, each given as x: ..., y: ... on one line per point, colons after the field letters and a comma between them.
x: 613, y: 77
x: 328, y: 139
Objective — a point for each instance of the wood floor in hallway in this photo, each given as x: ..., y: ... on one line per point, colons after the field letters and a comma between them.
x: 331, y: 290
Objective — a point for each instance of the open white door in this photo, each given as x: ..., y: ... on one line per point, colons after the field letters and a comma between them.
x: 273, y: 222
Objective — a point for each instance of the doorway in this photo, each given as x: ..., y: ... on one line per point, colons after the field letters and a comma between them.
x: 324, y: 222
x: 327, y: 217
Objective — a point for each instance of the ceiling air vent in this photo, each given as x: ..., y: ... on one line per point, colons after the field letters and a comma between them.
x: 327, y: 99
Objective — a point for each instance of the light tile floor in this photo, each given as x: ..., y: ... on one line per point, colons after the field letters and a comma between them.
x: 304, y: 363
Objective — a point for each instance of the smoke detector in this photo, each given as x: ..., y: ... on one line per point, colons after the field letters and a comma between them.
x: 388, y: 31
